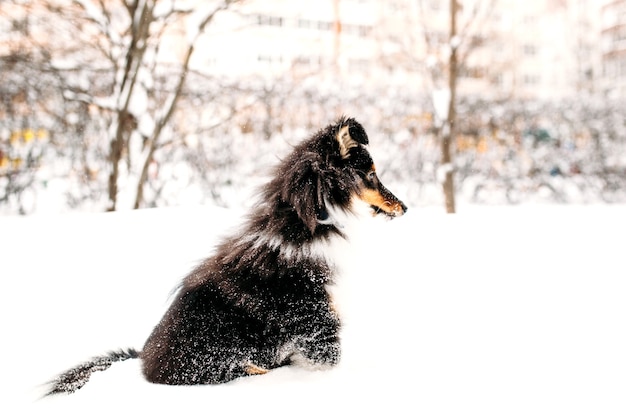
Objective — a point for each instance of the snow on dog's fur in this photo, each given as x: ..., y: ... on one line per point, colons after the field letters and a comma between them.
x: 261, y: 301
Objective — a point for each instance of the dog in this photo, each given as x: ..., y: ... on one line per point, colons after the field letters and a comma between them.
x: 262, y: 300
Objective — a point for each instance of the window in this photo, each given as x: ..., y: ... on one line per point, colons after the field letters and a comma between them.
x: 325, y: 25
x: 269, y: 59
x: 531, y: 79
x: 356, y: 30
x: 530, y: 49
x: 309, y: 61
x: 264, y: 20
x: 305, y: 23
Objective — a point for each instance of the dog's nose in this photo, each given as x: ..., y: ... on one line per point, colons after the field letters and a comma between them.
x: 399, y: 208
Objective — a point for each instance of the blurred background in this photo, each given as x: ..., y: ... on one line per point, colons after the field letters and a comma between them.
x: 122, y: 104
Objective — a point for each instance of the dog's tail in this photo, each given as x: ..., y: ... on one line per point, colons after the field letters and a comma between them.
x: 74, y: 379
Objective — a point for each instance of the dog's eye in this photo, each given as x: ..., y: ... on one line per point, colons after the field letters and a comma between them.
x: 371, y: 175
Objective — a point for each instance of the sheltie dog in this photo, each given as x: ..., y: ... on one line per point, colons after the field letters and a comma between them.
x: 262, y: 301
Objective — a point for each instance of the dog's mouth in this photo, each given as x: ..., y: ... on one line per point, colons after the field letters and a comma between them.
x: 388, y: 214
x: 380, y: 203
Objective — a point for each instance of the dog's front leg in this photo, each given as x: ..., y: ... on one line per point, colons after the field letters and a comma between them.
x: 315, y: 353
x: 315, y: 340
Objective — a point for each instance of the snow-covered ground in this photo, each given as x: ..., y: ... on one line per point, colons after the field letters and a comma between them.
x: 496, y: 311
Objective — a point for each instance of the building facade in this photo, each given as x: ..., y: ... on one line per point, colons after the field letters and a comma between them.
x: 511, y: 49
x: 532, y: 49
x: 613, y: 48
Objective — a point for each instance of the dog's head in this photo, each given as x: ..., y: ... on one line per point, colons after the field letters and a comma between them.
x: 332, y: 170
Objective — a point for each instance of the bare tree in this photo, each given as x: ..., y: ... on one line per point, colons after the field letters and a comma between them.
x: 448, y: 45
x: 449, y: 131
x: 170, y: 104
x: 138, y: 39
x: 462, y: 41
x: 29, y: 122
x: 107, y: 56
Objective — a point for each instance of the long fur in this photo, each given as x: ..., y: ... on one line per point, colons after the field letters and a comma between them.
x: 261, y: 301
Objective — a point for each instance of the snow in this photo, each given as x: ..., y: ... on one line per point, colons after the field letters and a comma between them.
x: 495, y: 311
x: 442, y: 172
x: 441, y: 103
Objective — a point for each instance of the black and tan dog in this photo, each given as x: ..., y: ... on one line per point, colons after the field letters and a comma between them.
x: 261, y: 300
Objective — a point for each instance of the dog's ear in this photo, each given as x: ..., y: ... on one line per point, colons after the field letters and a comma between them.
x: 349, y: 135
x: 345, y: 142
x: 304, y: 192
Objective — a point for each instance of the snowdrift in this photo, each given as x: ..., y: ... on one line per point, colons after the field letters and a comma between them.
x: 494, y: 311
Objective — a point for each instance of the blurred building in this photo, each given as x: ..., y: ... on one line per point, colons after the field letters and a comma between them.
x: 547, y: 48
x: 512, y: 49
x: 525, y: 49
x: 613, y: 47
x: 298, y: 38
